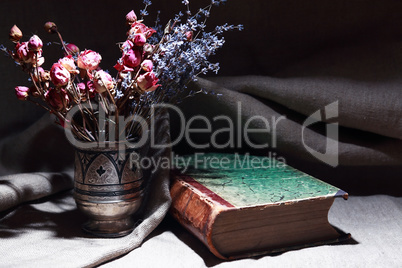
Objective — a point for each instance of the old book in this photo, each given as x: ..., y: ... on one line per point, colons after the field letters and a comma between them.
x: 242, y: 205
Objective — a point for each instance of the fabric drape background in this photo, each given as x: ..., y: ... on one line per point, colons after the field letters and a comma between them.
x: 293, y: 59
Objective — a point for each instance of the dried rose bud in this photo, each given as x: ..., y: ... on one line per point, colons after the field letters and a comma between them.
x: 147, y: 65
x: 138, y: 27
x: 72, y: 49
x: 149, y: 32
x: 132, y: 31
x: 22, y: 92
x: 57, y: 98
x: 89, y: 60
x: 45, y: 76
x: 50, y: 27
x: 83, y: 92
x: 139, y: 39
x: 22, y: 52
x: 147, y: 81
x: 189, y: 35
x: 59, y: 75
x: 131, y: 17
x: 132, y: 58
x: 148, y: 49
x: 91, y: 89
x: 69, y: 64
x: 126, y: 45
x: 35, y: 43
x: 103, y: 81
x: 81, y: 87
x: 15, y: 34
x: 37, y: 74
x: 123, y: 75
x: 86, y: 90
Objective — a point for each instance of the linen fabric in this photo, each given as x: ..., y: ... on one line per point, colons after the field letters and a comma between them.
x: 293, y: 58
x: 47, y: 232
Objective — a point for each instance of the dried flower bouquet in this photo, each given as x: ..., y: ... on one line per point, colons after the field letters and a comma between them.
x: 156, y: 65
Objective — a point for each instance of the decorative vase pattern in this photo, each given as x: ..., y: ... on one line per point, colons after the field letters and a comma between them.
x: 109, y: 189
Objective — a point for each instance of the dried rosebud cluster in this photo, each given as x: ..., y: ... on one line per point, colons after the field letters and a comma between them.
x: 136, y: 61
x: 77, y: 78
x: 73, y: 79
x: 27, y: 54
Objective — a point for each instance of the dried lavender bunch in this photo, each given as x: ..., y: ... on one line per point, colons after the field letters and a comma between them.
x: 183, y: 50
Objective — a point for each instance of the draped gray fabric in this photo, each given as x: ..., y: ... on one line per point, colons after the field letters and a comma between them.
x: 49, y: 229
x: 293, y: 58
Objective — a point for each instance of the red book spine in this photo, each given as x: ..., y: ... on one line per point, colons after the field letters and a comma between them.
x: 196, y: 208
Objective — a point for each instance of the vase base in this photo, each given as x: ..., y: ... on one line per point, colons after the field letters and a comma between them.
x: 109, y: 229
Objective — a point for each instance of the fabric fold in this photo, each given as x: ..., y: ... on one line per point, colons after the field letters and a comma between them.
x: 364, y: 79
x: 290, y: 137
x: 48, y: 232
x: 20, y: 188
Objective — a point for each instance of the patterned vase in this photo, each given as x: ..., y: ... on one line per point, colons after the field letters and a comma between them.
x: 109, y: 189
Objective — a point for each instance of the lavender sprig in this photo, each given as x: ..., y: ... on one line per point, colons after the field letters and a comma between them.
x: 183, y: 53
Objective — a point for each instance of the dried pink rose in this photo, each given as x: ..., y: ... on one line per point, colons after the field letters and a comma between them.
x: 149, y: 32
x: 59, y: 75
x: 147, y: 81
x: 69, y: 64
x: 81, y: 87
x: 57, y: 98
x: 138, y: 27
x: 121, y: 68
x: 37, y: 74
x: 103, y: 81
x: 148, y: 48
x: 23, y: 52
x: 147, y: 65
x: 139, y: 39
x: 189, y: 35
x: 40, y: 75
x: 91, y: 89
x: 35, y: 43
x: 86, y: 90
x: 132, y: 58
x: 22, y: 92
x: 45, y: 76
x: 89, y: 60
x: 127, y: 45
x: 15, y: 34
x: 131, y: 17
x: 72, y: 49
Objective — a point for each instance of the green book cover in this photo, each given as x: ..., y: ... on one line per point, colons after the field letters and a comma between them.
x: 246, y: 180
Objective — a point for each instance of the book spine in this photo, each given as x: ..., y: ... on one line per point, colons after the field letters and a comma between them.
x: 192, y: 209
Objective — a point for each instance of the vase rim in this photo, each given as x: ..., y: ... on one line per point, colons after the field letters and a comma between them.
x: 108, y: 145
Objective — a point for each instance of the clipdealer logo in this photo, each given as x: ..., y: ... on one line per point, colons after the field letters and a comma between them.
x: 331, y: 155
x: 233, y: 126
